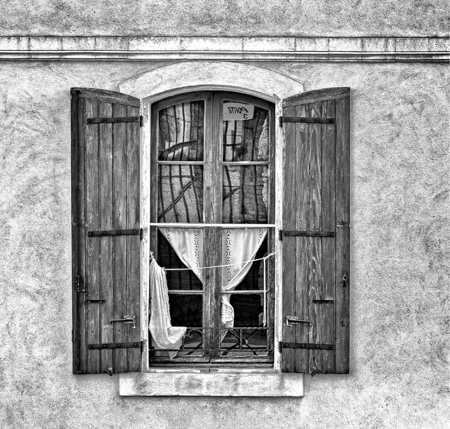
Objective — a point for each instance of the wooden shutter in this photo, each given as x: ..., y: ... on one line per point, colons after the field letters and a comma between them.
x: 316, y: 232
x: 105, y: 232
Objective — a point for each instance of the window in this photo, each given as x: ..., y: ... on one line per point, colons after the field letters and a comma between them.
x: 212, y: 173
x: 206, y: 177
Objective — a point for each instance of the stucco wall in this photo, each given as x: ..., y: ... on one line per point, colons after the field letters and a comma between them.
x: 399, y: 245
x: 225, y: 17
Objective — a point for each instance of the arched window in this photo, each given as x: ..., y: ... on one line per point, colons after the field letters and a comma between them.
x: 212, y: 182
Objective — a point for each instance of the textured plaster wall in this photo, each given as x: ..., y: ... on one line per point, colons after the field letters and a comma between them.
x: 400, y: 254
x: 225, y: 17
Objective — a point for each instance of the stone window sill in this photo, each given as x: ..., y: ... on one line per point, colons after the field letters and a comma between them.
x: 232, y: 383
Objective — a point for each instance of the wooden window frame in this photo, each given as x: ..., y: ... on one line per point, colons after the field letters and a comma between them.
x: 212, y: 183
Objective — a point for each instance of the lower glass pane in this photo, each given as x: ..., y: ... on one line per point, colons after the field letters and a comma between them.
x: 186, y: 310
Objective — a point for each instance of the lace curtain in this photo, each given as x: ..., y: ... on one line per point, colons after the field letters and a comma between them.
x: 239, y: 247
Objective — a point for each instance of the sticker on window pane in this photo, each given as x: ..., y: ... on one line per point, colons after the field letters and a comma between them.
x: 237, y: 111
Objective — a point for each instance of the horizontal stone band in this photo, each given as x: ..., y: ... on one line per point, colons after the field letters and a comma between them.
x: 300, y: 49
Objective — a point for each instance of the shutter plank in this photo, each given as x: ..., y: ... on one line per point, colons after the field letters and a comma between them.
x: 120, y: 243
x: 78, y: 231
x: 133, y: 242
x: 304, y: 244
x: 342, y: 234
x: 93, y: 246
x: 315, y: 276
x: 106, y: 243
x: 289, y: 261
x: 326, y: 311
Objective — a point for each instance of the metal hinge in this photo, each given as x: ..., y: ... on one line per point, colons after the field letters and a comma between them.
x: 114, y: 120
x: 282, y: 345
x: 141, y: 121
x: 95, y: 301
x: 282, y: 234
x: 304, y: 120
x: 135, y: 345
x: 117, y: 232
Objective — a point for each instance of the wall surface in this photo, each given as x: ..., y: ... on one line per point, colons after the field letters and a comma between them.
x: 399, y: 244
x: 225, y: 17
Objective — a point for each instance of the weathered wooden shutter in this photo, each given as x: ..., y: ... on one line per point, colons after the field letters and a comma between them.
x: 316, y: 232
x: 105, y: 232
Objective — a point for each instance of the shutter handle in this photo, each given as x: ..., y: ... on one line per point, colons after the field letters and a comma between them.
x: 126, y: 319
x: 295, y: 319
x: 344, y: 281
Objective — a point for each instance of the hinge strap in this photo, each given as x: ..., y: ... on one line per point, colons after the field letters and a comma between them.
x: 283, y: 233
x: 282, y: 345
x: 116, y: 232
x: 304, y: 120
x: 117, y: 119
x: 115, y: 346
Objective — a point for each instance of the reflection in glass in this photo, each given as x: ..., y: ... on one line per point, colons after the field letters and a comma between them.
x: 180, y: 189
x: 247, y: 140
x: 181, y: 132
x: 245, y: 194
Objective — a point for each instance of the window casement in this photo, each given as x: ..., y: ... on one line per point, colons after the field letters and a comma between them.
x: 214, y: 175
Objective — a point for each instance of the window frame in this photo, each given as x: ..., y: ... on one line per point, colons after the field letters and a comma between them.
x: 213, y: 160
x: 147, y: 136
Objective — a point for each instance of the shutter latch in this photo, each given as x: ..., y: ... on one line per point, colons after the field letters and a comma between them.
x: 294, y: 319
x: 126, y: 319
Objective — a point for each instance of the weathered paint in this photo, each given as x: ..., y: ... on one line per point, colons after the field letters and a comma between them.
x: 399, y: 245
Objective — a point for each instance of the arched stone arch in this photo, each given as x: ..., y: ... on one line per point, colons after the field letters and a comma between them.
x: 191, y: 76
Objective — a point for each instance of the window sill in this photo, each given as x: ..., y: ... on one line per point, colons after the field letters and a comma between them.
x: 223, y: 382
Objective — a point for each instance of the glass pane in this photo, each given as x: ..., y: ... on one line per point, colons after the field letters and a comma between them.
x: 247, y: 140
x: 245, y: 194
x: 180, y: 189
x: 186, y: 310
x: 181, y: 132
x: 176, y: 280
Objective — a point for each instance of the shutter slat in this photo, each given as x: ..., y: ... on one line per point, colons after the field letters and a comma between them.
x: 93, y: 247
x: 326, y: 291
x: 310, y: 203
x: 315, y: 258
x: 78, y: 232
x: 289, y: 265
x: 106, y: 244
x: 342, y: 234
x: 120, y: 243
x: 133, y: 242
x: 105, y: 198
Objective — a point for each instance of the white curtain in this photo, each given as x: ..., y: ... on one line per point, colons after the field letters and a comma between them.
x: 164, y: 336
x: 239, y: 247
x: 188, y: 245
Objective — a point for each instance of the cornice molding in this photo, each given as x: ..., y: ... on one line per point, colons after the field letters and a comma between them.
x: 292, y: 49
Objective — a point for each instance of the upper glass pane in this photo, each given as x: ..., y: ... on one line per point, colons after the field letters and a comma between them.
x: 245, y: 194
x: 245, y: 132
x: 181, y: 132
